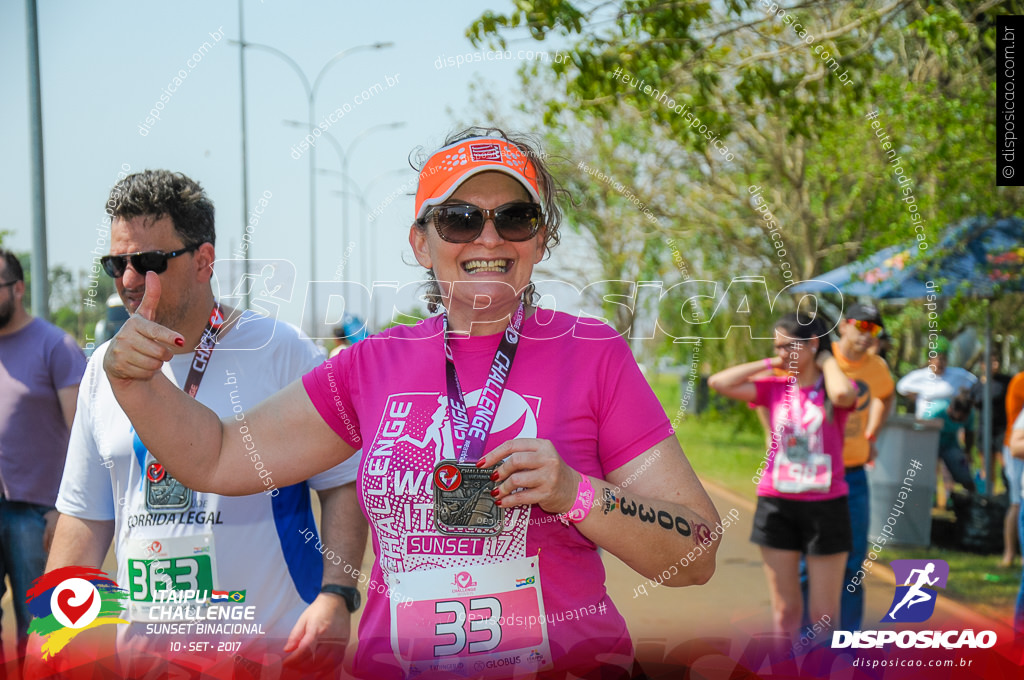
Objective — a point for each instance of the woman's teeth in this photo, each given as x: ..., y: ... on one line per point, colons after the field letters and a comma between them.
x: 474, y: 266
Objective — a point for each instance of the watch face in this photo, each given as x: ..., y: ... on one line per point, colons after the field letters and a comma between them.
x: 357, y: 599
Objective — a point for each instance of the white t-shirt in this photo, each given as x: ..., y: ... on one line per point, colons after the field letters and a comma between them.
x: 256, y: 544
x: 931, y: 387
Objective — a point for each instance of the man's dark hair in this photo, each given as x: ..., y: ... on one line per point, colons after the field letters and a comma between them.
x: 161, y: 192
x: 13, y: 266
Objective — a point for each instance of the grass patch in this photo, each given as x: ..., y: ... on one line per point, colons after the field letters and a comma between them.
x: 721, y: 447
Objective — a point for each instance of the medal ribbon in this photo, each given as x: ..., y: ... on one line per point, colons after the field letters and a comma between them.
x: 473, y: 444
x: 204, y: 351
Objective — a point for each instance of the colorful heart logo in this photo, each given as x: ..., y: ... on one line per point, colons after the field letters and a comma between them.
x: 73, y: 612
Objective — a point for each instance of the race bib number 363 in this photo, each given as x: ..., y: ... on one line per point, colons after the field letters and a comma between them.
x: 157, y: 566
x: 148, y: 577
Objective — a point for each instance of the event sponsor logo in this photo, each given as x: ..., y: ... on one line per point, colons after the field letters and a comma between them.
x: 66, y: 601
x: 448, y: 477
x: 919, y: 639
x: 914, y: 602
x: 155, y: 472
x: 463, y: 583
x: 485, y: 152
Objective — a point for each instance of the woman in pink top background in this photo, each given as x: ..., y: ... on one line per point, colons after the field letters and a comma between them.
x: 497, y: 456
x: 801, y: 504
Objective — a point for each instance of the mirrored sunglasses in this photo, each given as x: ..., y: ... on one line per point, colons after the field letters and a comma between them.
x: 866, y: 327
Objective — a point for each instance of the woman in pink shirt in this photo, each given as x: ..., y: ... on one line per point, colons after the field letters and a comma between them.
x: 801, y: 492
x: 503, y: 444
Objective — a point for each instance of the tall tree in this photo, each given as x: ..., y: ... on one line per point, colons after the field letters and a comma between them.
x: 787, y: 92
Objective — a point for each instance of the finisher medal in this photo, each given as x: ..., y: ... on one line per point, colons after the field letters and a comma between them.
x: 163, y: 492
x: 463, y: 505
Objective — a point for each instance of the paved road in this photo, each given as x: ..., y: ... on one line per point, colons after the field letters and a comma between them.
x: 735, y: 604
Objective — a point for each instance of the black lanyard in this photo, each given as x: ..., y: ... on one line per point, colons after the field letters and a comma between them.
x: 204, y: 351
x: 475, y: 433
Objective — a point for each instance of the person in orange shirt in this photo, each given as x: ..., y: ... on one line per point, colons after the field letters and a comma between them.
x: 875, y: 391
x: 1013, y: 468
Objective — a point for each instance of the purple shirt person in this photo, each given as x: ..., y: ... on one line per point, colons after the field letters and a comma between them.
x: 40, y: 369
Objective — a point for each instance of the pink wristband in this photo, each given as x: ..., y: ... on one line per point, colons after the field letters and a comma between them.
x: 584, y: 501
x: 768, y: 363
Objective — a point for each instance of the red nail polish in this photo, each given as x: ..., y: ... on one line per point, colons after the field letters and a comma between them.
x: 497, y: 502
x: 480, y: 463
x: 494, y: 492
x: 494, y: 476
x: 180, y: 342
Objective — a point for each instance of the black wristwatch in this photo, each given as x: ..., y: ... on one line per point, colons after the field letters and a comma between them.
x: 347, y: 593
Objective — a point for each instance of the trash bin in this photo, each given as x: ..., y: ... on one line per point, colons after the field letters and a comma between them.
x: 909, y: 516
x: 693, y: 391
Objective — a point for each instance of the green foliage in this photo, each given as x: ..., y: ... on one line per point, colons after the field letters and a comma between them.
x: 407, y: 318
x: 718, y: 448
x: 71, y: 306
x: 794, y: 123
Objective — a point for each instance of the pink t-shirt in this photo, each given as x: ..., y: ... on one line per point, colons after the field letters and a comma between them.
x: 772, y: 393
x: 573, y: 383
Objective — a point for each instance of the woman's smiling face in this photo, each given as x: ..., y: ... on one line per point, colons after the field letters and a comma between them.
x: 488, y: 265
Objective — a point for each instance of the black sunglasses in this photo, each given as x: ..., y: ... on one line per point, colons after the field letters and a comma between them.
x: 464, y: 222
x: 142, y: 262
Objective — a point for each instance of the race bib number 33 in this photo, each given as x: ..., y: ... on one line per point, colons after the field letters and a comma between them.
x: 471, y: 620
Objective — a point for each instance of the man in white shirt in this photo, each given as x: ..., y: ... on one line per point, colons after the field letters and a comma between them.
x: 248, y: 555
x: 933, y: 389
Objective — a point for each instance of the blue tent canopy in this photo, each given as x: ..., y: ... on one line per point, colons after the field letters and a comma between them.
x: 979, y: 256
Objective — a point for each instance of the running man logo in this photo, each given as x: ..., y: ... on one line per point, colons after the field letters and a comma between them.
x: 914, y: 601
x: 66, y: 601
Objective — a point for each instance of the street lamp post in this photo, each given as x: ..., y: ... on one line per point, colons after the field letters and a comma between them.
x: 344, y: 154
x: 372, y: 234
x: 311, y: 90
x: 344, y: 168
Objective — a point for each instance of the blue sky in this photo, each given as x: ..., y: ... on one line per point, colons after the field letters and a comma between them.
x: 105, y: 65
